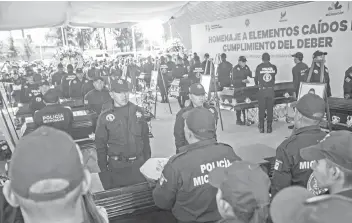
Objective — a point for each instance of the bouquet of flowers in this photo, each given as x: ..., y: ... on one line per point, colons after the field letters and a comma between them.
x: 69, y: 55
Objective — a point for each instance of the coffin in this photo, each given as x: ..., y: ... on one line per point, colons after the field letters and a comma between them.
x: 340, y: 110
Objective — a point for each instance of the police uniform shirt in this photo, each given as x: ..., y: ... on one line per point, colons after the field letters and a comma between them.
x: 115, y: 71
x: 239, y: 74
x: 178, y: 71
x: 171, y: 65
x: 316, y: 77
x: 196, y: 71
x: 347, y: 83
x: 290, y: 168
x: 224, y: 72
x: 298, y: 72
x: 87, y: 86
x: 75, y: 88
x: 184, y: 185
x: 148, y: 68
x: 56, y: 116
x: 265, y: 75
x: 207, y: 65
x: 121, y: 131
x: 95, y: 99
x: 57, y: 77
x: 36, y: 103
x: 65, y: 84
x: 163, y: 69
x: 15, y: 88
x: 28, y: 91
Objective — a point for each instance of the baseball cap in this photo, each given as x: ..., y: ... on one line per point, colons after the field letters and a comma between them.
x: 296, y: 204
x: 97, y: 79
x: 70, y: 66
x: 197, y: 89
x: 319, y: 53
x: 201, y: 122
x: 336, y: 147
x: 298, y: 55
x: 242, y: 58
x: 51, y: 96
x: 265, y: 56
x: 61, y: 163
x: 223, y: 55
x: 118, y: 85
x: 244, y: 185
x: 44, y: 82
x: 311, y: 106
x: 79, y: 70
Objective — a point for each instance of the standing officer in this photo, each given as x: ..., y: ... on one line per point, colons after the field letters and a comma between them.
x: 37, y: 102
x: 197, y: 97
x: 57, y: 77
x: 162, y: 79
x: 115, y: 70
x: 147, y: 69
x: 224, y: 72
x: 347, y: 84
x: 54, y: 114
x: 65, y: 82
x: 240, y: 74
x: 265, y: 79
x: 121, y: 139
x: 298, y: 72
x: 88, y: 84
x: 183, y: 186
x: 318, y: 56
x: 29, y: 89
x: 95, y: 98
x: 75, y: 87
x: 178, y: 73
x: 206, y: 64
x: 196, y: 71
x: 290, y: 168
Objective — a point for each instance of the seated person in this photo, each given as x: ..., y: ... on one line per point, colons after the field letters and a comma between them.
x: 243, y: 192
x: 54, y: 114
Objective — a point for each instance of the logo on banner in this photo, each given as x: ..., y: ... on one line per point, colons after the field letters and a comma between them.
x: 210, y: 27
x: 247, y: 22
x: 335, y: 9
x: 207, y: 28
x: 283, y: 17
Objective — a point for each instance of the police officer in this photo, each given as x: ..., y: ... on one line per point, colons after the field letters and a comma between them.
x: 318, y: 56
x: 115, y: 70
x: 298, y: 72
x: 196, y: 70
x: 347, y: 84
x: 75, y: 86
x: 179, y: 72
x: 54, y: 114
x: 207, y: 64
x: 121, y: 139
x: 37, y: 102
x: 95, y: 98
x: 15, y: 88
x: 197, y: 97
x: 65, y: 82
x: 88, y: 84
x: 240, y: 75
x: 290, y: 168
x: 29, y: 89
x: 162, y: 79
x: 265, y: 79
x: 58, y: 75
x: 183, y: 186
x: 224, y: 72
x: 147, y: 69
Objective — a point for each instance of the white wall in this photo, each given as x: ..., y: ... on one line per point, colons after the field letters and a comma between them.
x: 320, y: 21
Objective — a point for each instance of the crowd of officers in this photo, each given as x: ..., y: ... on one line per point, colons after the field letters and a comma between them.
x: 206, y: 181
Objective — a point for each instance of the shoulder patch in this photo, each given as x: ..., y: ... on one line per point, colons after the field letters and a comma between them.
x: 278, y: 165
x: 347, y: 79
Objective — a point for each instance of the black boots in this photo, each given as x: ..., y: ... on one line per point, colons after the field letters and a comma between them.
x: 269, y: 128
x: 261, y: 127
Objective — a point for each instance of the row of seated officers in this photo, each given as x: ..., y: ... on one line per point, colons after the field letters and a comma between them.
x: 206, y: 181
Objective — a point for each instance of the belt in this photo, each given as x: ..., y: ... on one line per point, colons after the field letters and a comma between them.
x: 124, y: 158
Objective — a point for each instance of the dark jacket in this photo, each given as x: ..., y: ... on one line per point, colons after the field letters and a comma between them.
x: 57, y: 77
x: 265, y: 75
x: 9, y: 214
x: 347, y: 83
x: 298, y: 72
x: 239, y: 74
x: 183, y: 187
x: 290, y: 167
x: 224, y: 74
x: 65, y: 84
x: 94, y: 99
x: 316, y: 77
x: 75, y: 88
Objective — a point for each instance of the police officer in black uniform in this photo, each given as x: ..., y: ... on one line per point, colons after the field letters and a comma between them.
x: 76, y: 85
x: 298, y: 72
x: 207, y: 64
x: 65, y: 82
x: 54, y: 114
x: 95, y: 98
x: 196, y: 71
x: 347, y: 84
x: 224, y: 72
x: 197, y: 97
x: 179, y: 72
x: 240, y: 75
x: 37, y: 102
x: 318, y: 55
x: 87, y: 84
x: 265, y: 79
x: 29, y: 89
x: 290, y: 168
x: 183, y: 186
x: 57, y: 76
x: 147, y: 69
x: 162, y: 79
x: 121, y: 139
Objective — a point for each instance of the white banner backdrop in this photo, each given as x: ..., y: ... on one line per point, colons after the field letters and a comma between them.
x: 305, y: 28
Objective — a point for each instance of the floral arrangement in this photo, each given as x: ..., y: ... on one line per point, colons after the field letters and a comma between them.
x: 69, y: 55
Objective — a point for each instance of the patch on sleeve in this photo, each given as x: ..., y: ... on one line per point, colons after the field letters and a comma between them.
x: 278, y: 165
x: 162, y: 179
x: 347, y: 79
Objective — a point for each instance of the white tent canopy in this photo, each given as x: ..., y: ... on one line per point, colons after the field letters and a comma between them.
x: 27, y: 15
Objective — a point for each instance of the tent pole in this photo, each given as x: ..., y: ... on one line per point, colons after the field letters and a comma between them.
x: 63, y: 36
x: 134, y: 43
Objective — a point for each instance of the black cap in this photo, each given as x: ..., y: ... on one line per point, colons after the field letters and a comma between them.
x: 242, y: 59
x: 319, y: 53
x: 51, y: 96
x: 79, y: 70
x: 223, y: 55
x: 266, y: 57
x: 298, y: 55
x: 70, y: 66
x: 118, y: 85
x: 206, y: 55
x: 98, y: 78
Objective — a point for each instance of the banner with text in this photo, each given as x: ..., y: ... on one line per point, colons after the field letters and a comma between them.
x: 305, y: 28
